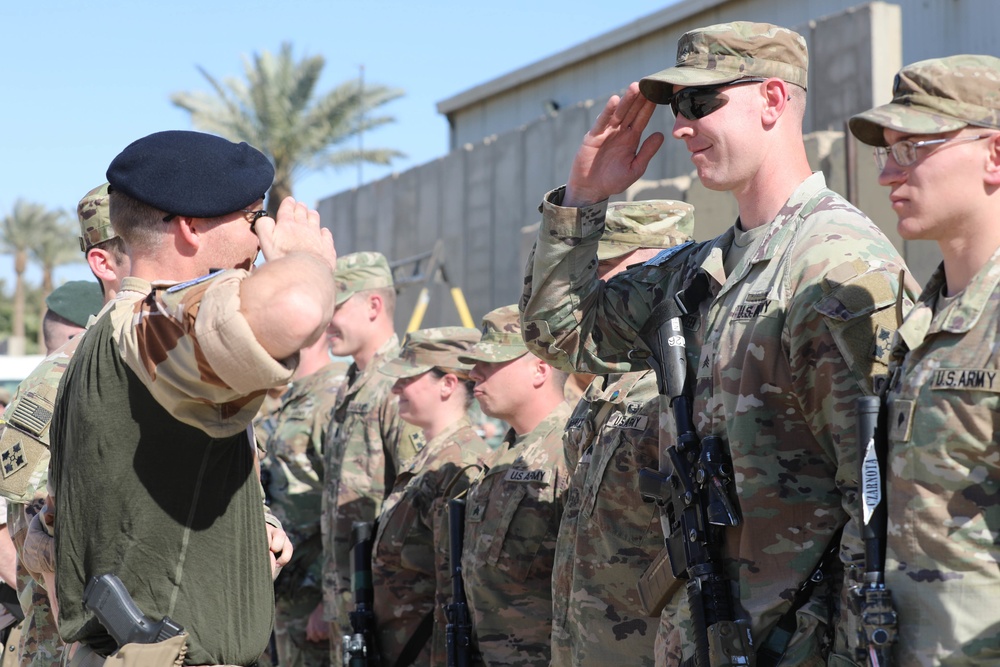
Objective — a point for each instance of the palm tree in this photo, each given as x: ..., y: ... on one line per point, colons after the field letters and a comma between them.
x: 20, y: 231
x: 276, y: 110
x: 55, y: 244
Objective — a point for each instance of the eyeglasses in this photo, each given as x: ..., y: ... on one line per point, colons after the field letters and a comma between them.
x: 905, y: 152
x: 697, y: 102
x: 253, y: 216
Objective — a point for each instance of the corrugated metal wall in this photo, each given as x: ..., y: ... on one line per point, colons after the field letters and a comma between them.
x: 930, y: 28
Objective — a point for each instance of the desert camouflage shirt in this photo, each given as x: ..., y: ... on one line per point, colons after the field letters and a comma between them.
x: 608, y: 536
x: 943, y: 476
x: 293, y: 473
x: 410, y: 557
x: 511, y: 521
x: 782, y: 347
x: 367, y: 444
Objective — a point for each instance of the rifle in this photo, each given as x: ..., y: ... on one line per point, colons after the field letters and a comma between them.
x: 359, y: 646
x: 874, y: 600
x: 459, y: 629
x: 111, y: 603
x: 692, y: 489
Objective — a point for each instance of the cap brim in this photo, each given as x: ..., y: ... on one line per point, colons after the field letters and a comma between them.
x: 496, y: 357
x: 659, y: 87
x: 868, y: 126
x: 608, y: 250
x: 397, y: 368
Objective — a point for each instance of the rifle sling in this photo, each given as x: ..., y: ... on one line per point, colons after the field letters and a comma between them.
x: 773, y: 649
x: 417, y: 641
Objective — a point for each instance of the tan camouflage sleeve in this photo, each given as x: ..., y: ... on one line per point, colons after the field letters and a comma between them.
x: 568, y: 316
x: 196, y: 353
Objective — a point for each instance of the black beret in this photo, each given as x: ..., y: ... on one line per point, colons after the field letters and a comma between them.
x: 191, y: 173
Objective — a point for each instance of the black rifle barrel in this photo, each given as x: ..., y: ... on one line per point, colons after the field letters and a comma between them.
x: 458, y: 632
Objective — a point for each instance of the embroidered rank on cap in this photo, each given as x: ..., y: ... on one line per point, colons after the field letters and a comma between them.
x: 12, y: 459
x: 522, y: 475
x: 982, y: 379
x: 31, y: 416
x: 667, y: 253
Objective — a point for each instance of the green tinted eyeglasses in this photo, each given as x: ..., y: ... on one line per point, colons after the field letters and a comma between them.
x: 696, y: 102
x: 905, y: 152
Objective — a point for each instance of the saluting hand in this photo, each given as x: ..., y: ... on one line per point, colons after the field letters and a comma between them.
x: 610, y: 158
x: 295, y: 228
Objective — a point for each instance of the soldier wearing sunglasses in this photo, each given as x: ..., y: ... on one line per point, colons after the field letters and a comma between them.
x: 791, y: 329
x: 938, y: 147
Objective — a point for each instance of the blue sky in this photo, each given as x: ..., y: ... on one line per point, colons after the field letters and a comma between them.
x: 84, y: 79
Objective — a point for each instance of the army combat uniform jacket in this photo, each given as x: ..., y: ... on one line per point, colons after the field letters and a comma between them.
x: 293, y: 474
x: 782, y: 347
x: 410, y: 557
x: 607, y: 536
x: 943, y: 477
x: 366, y: 446
x: 153, y: 467
x: 511, y: 521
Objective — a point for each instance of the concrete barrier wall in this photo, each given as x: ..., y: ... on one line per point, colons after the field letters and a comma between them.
x: 480, y: 198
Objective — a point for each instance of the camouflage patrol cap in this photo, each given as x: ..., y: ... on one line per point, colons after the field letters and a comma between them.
x: 95, y: 218
x: 76, y: 301
x: 729, y: 51
x: 655, y: 223
x: 361, y: 271
x: 501, y: 338
x: 425, y: 349
x: 934, y: 96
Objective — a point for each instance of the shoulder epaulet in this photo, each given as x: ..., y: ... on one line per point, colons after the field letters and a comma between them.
x: 191, y: 283
x: 667, y: 253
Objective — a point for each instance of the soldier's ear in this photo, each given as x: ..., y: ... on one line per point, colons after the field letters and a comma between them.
x: 992, y: 167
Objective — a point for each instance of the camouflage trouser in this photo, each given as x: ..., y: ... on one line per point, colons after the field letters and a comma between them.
x: 40, y: 645
x: 290, y: 619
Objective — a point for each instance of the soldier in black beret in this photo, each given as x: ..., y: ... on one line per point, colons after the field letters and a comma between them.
x: 162, y: 489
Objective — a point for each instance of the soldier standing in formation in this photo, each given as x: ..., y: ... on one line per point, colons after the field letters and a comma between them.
x: 513, y: 508
x: 368, y: 442
x: 293, y: 473
x: 938, y: 147
x: 608, y: 536
x: 796, y: 300
x: 410, y: 555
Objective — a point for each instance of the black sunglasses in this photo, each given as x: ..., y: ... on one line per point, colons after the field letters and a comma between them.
x: 697, y: 102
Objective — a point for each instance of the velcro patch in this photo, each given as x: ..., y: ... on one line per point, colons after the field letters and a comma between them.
x: 901, y: 419
x: 21, y: 458
x: 31, y: 416
x: 620, y: 420
x: 522, y: 475
x: 981, y: 379
x: 882, y: 345
x: 667, y: 253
